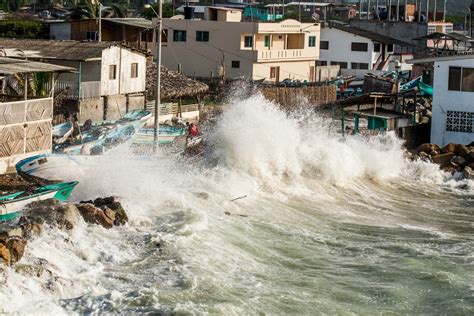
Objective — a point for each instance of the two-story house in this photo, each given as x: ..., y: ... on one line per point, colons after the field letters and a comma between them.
x: 453, y: 99
x: 359, y: 51
x: 223, y: 46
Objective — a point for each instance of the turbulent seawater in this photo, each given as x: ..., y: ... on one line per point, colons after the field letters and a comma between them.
x: 324, y: 225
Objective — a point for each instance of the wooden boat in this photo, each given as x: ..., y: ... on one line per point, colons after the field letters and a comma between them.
x: 167, y: 134
x: 62, y: 132
x: 13, y: 204
x: 105, y: 134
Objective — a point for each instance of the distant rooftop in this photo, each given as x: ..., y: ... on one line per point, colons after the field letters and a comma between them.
x: 379, y: 38
x: 48, y: 49
x: 11, y: 66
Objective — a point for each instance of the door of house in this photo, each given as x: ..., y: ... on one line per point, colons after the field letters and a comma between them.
x: 312, y: 74
x: 277, y: 74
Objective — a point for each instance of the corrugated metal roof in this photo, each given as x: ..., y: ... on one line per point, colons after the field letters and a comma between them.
x: 135, y: 22
x: 62, y: 50
x: 11, y: 66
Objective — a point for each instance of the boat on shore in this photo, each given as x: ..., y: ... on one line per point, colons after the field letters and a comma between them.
x: 62, y: 132
x: 12, y: 205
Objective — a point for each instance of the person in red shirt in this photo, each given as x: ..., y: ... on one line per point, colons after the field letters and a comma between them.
x: 193, y: 130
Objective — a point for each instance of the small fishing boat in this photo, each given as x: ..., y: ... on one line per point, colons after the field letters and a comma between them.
x: 62, y: 132
x: 167, y: 134
x: 13, y: 204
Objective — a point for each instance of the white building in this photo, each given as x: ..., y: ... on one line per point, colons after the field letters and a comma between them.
x: 358, y: 51
x: 453, y: 99
x: 222, y: 46
x: 110, y: 78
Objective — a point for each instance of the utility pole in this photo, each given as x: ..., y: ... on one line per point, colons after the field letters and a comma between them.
x: 100, y: 22
x: 434, y: 10
x: 389, y: 10
x: 418, y: 7
x: 427, y: 10
x: 444, y: 11
x: 360, y: 9
x: 398, y: 10
x: 405, y: 14
x: 368, y: 10
x: 158, y: 79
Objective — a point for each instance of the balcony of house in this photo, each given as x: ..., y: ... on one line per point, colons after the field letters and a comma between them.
x: 281, y: 47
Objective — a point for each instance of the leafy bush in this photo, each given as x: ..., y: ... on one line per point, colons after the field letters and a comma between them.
x: 22, y: 29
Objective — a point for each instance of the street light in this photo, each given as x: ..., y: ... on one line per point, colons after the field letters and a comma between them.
x: 158, y: 73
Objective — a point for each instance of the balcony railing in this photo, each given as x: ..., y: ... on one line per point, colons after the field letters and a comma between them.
x: 285, y: 54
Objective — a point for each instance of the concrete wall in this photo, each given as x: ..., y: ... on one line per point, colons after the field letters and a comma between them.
x: 445, y: 100
x: 226, y: 44
x: 295, y: 70
x: 340, y: 50
x: 403, y: 31
x: 116, y: 107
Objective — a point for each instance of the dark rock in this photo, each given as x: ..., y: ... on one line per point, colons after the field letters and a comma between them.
x: 449, y: 148
x: 34, y: 269
x: 458, y: 161
x: 444, y: 160
x: 16, y: 246
x: 104, y: 201
x: 121, y: 217
x: 427, y: 148
x: 88, y: 212
x: 468, y: 173
x: 434, y: 153
x: 461, y: 150
x: 424, y: 156
x: 5, y: 254
x: 63, y: 216
x: 470, y: 156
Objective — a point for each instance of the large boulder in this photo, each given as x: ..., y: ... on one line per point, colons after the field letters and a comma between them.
x: 51, y: 212
x: 458, y: 161
x: 94, y: 215
x: 449, y: 148
x: 468, y: 173
x: 5, y: 256
x: 461, y: 150
x: 444, y: 160
x: 428, y: 148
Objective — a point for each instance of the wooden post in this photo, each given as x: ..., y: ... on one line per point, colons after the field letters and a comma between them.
x: 375, y: 106
x: 127, y: 102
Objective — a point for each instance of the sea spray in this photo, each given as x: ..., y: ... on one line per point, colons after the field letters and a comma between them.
x: 328, y: 225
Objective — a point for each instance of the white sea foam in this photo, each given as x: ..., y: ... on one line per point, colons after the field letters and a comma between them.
x: 298, y: 180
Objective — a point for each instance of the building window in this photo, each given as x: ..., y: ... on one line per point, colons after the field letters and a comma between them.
x: 390, y: 48
x: 248, y: 41
x: 134, y: 71
x: 202, y: 36
x: 266, y: 41
x: 112, y: 72
x: 342, y: 64
x: 362, y: 66
x: 324, y: 45
x: 461, y: 122
x: 359, y: 47
x: 92, y: 36
x: 312, y: 41
x: 377, y: 47
x: 179, y: 36
x: 461, y: 79
x: 164, y: 36
x: 236, y: 64
x: 321, y: 63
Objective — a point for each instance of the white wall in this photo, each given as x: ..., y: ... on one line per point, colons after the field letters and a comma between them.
x: 340, y: 50
x: 122, y: 58
x: 445, y: 100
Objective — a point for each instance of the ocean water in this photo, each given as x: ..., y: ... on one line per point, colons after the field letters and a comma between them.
x: 282, y: 216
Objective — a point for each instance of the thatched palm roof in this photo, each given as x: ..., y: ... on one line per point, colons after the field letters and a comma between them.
x: 173, y: 84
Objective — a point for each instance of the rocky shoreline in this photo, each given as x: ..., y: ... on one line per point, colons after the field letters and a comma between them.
x: 451, y: 158
x: 38, y: 216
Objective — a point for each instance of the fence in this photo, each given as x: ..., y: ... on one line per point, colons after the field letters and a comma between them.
x: 300, y: 96
x: 25, y: 126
